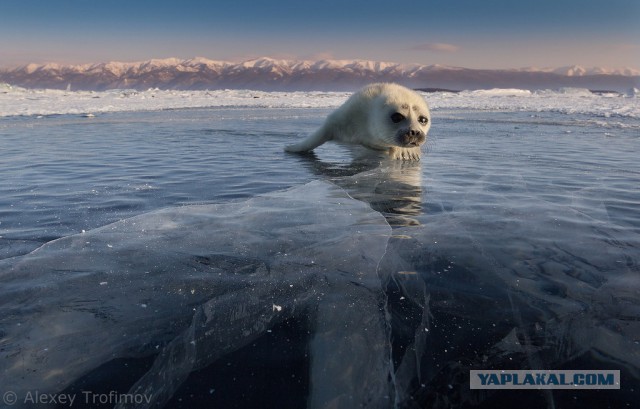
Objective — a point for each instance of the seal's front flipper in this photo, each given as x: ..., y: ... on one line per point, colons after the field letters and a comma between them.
x: 405, y: 153
x: 316, y: 139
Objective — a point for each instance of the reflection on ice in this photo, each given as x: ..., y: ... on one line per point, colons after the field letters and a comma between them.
x: 192, y: 284
x: 393, y: 188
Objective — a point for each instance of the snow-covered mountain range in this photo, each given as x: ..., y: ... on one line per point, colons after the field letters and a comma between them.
x: 285, y: 75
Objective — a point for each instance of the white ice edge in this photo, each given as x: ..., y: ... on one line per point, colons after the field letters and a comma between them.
x: 16, y: 101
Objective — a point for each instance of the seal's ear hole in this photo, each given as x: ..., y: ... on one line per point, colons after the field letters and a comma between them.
x: 397, y: 117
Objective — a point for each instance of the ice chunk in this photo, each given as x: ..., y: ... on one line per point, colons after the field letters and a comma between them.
x: 310, y: 250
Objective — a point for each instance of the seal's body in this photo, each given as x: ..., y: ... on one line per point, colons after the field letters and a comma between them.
x: 384, y: 117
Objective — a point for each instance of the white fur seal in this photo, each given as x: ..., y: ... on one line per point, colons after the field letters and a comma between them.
x: 384, y: 117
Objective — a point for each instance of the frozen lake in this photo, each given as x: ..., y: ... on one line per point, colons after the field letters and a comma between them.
x: 168, y: 247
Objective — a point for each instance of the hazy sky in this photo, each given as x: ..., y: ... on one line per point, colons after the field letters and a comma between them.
x: 466, y: 33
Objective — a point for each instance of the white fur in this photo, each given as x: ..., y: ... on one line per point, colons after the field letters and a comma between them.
x: 366, y: 119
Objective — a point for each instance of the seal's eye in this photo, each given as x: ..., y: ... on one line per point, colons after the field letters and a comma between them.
x: 423, y: 120
x: 397, y: 117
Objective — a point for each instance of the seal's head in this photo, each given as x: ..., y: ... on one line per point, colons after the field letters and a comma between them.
x: 401, y: 118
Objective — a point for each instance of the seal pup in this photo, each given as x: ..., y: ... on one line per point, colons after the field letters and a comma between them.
x: 384, y: 117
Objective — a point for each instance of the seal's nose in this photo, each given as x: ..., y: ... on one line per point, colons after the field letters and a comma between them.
x: 413, y: 137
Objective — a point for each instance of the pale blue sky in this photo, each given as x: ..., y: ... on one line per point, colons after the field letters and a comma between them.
x: 467, y: 33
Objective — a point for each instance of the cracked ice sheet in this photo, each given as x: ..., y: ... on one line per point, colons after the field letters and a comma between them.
x: 518, y: 282
x: 200, y: 282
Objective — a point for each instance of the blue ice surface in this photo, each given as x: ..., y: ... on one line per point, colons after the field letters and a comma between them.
x: 513, y: 244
